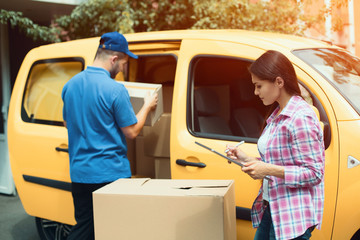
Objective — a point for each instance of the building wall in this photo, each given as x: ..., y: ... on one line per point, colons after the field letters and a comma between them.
x: 340, y: 16
x: 319, y: 30
x: 349, y: 36
x: 357, y: 26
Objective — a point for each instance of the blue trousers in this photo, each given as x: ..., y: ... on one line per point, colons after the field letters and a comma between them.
x: 266, y: 229
x: 83, y: 204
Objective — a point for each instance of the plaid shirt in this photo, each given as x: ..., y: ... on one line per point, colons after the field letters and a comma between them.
x: 296, y: 142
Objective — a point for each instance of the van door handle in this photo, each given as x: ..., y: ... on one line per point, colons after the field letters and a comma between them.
x: 59, y: 149
x: 185, y: 163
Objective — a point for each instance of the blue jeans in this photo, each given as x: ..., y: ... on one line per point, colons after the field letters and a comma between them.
x: 266, y: 229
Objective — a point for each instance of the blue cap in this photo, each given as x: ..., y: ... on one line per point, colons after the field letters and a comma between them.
x: 116, y: 42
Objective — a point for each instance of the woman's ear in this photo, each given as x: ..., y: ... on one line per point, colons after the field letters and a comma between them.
x: 279, y: 82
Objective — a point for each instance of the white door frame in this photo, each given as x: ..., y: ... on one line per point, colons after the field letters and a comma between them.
x: 7, y: 185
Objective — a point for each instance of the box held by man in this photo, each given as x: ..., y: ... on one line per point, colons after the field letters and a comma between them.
x: 138, y: 92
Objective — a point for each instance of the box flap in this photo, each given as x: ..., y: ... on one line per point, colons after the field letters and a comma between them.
x: 122, y: 185
x: 140, y: 89
x: 186, y: 187
x: 181, y: 184
x: 165, y: 187
x: 187, y: 184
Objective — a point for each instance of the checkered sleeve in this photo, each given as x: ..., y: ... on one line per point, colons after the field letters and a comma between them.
x: 308, y: 153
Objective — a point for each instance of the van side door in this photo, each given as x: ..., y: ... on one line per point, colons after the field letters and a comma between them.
x: 214, y: 104
x: 38, y: 141
x: 213, y: 89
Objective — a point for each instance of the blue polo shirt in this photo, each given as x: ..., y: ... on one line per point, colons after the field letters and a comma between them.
x: 95, y: 108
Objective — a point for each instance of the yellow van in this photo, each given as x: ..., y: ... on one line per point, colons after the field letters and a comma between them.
x: 207, y: 97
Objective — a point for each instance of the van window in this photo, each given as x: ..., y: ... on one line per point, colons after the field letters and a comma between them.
x: 222, y: 103
x: 222, y: 100
x: 339, y: 67
x: 42, y: 96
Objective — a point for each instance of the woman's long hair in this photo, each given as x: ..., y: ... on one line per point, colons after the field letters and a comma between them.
x: 273, y: 64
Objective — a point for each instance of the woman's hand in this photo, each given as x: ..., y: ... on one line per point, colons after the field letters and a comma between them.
x: 236, y: 154
x: 259, y: 169
x: 256, y: 169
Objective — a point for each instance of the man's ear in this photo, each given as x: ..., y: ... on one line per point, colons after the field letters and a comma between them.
x: 114, y: 59
x: 279, y: 81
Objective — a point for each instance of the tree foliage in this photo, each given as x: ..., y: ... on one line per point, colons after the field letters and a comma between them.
x: 277, y: 16
x: 32, y: 30
x: 95, y: 17
x: 151, y: 15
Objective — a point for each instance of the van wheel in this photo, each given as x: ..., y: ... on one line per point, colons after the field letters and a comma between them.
x: 50, y: 230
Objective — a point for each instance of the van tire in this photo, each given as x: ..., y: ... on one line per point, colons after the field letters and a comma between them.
x: 50, y: 230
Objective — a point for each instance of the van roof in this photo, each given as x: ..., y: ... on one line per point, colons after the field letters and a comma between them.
x: 256, y: 38
x: 265, y: 40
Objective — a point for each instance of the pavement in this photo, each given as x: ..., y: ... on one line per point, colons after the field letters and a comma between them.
x: 15, y: 224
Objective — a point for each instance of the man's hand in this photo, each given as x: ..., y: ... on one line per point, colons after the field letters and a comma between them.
x: 151, y: 101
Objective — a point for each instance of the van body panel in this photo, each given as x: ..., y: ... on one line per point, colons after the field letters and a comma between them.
x: 183, y: 142
x: 342, y: 109
x: 238, y: 36
x: 186, y: 62
x: 32, y: 145
x: 349, y: 172
x: 331, y: 154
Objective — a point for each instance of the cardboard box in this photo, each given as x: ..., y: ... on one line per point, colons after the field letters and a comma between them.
x: 165, y: 210
x: 145, y: 164
x: 138, y: 91
x: 162, y: 168
x: 131, y: 153
x: 157, y: 138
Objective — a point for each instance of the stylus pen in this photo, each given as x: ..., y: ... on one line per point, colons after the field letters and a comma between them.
x: 238, y: 144
x: 229, y: 159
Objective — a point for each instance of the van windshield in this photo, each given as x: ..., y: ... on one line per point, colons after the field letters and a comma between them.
x: 339, y: 67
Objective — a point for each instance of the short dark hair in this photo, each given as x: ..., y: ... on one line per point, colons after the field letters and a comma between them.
x: 101, y: 53
x: 273, y: 64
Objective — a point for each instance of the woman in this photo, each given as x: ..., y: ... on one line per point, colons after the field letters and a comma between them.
x: 292, y: 155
